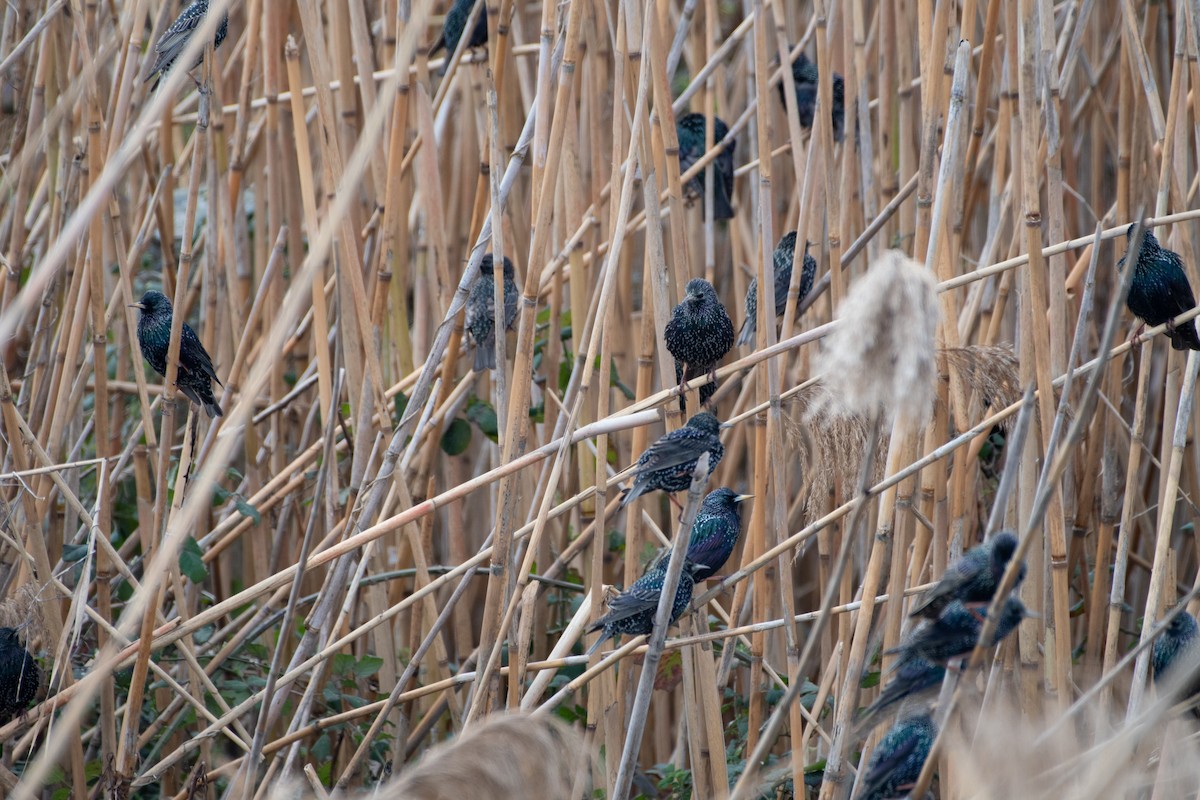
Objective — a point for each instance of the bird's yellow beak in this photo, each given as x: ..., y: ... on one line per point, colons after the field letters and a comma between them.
x: 741, y: 498
x: 136, y: 305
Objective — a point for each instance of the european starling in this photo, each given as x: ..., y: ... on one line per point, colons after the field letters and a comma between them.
x: 715, y: 532
x: 804, y: 75
x: 913, y: 676
x: 691, y: 132
x: 1178, y: 647
x: 19, y: 676
x: 176, y: 37
x: 667, y: 464
x: 782, y: 259
x: 956, y: 631
x: 1160, y: 291
x: 972, y: 578
x: 481, y: 314
x: 897, y: 761
x: 699, y: 333
x: 456, y: 21
x: 195, y: 374
x: 631, y: 613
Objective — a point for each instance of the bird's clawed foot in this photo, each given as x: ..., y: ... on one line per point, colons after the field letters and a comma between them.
x: 1138, y: 331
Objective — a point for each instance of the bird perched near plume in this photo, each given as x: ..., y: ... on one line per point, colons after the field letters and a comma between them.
x: 955, y: 632
x: 195, y: 374
x: 176, y: 37
x: 1178, y: 647
x: 897, y: 762
x: 804, y: 75
x: 481, y: 313
x: 973, y: 578
x: 912, y: 676
x: 667, y: 465
x: 782, y: 263
x: 631, y: 613
x: 456, y: 22
x: 1160, y: 292
x: 691, y: 131
x: 19, y: 676
x: 699, y: 333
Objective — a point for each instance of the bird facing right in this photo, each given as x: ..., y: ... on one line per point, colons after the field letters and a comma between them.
x: 1160, y: 291
x: 957, y: 630
x: 195, y: 374
x: 973, y: 578
x: 176, y: 37
x: 20, y: 676
x: 782, y: 265
x: 667, y: 465
x: 481, y: 314
x: 699, y: 333
x: 898, y: 759
x: 632, y: 612
x: 691, y: 131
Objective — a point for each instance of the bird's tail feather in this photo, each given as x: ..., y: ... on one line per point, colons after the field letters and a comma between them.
x: 722, y: 209
x: 1184, y: 337
x: 213, y: 409
x: 485, y: 356
x: 604, y: 637
x: 746, y: 335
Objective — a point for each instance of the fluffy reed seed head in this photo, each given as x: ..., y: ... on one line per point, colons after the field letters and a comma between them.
x: 880, y: 358
x: 990, y: 371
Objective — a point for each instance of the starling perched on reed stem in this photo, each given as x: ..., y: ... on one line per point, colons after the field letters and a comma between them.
x: 195, y: 373
x: 782, y: 262
x: 456, y: 22
x: 973, y: 578
x: 1160, y: 291
x: 716, y: 530
x: 691, y: 132
x: 632, y: 612
x: 1178, y: 647
x: 481, y: 311
x: 667, y: 465
x: 19, y: 676
x: 897, y: 762
x: 804, y: 75
x: 176, y: 37
x: 699, y: 333
x: 912, y: 676
x: 955, y: 632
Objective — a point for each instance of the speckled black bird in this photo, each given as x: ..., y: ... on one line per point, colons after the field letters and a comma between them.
x: 631, y: 613
x: 804, y: 75
x: 19, y: 676
x: 1160, y: 291
x: 195, y: 374
x: 1178, y: 647
x: 699, y: 333
x: 706, y: 391
x: 667, y: 464
x: 973, y: 578
x: 912, y: 676
x: 456, y: 22
x: 481, y: 313
x: 176, y: 37
x: 782, y: 262
x: 898, y: 759
x: 955, y: 632
x: 691, y: 131
x: 715, y: 532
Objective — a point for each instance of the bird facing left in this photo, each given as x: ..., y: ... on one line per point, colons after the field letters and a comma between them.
x: 196, y: 372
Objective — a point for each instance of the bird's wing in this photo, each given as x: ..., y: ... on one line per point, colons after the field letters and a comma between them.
x: 192, y: 352
x: 481, y: 301
x: 670, y: 452
x: 881, y: 770
x: 175, y: 38
x: 635, y: 601
x: 1181, y: 289
x: 707, y: 541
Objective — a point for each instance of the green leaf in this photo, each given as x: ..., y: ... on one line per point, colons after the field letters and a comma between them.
x: 565, y: 367
x: 869, y: 680
x: 74, y: 552
x: 401, y: 402
x: 343, y: 663
x: 456, y: 438
x: 191, y: 561
x: 483, y: 415
x: 247, y: 510
x: 220, y: 495
x: 367, y: 666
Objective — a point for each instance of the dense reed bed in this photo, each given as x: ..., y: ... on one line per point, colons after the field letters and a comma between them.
x: 376, y: 549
